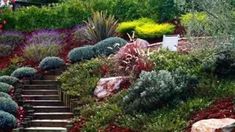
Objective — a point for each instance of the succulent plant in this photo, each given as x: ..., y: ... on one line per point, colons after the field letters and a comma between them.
x: 49, y: 63
x: 24, y: 72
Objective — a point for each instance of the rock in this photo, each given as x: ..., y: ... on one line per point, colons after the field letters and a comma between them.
x: 107, y: 86
x: 211, y: 125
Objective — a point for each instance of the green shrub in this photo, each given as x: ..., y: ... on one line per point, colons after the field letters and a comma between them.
x: 81, y: 79
x: 6, y: 88
x: 11, y: 38
x: 7, y: 121
x: 109, y: 46
x: 100, y: 26
x: 8, y: 105
x: 5, y: 95
x: 22, y: 72
x: 36, y: 52
x: 154, y: 89
x: 8, y: 70
x: 220, y: 63
x: 81, y: 53
x: 49, y: 63
x: 99, y: 115
x: 9, y: 80
x: 168, y: 60
x: 129, y: 26
x: 154, y: 30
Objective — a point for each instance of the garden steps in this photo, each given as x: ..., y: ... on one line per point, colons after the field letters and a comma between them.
x: 41, y: 97
x: 45, y: 129
x: 49, y: 112
x: 49, y: 123
x: 39, y: 91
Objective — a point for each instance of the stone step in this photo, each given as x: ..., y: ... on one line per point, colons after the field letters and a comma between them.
x: 44, y: 102
x: 49, y: 123
x: 36, y: 86
x: 41, y: 97
x: 53, y: 115
x: 45, y: 129
x: 39, y: 92
x: 44, y: 82
x: 51, y: 108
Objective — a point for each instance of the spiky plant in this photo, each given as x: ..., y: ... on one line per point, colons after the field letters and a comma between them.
x: 100, y: 26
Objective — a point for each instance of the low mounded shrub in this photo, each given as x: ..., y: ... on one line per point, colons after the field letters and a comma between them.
x: 7, y: 120
x: 49, y: 63
x: 129, y: 26
x: 6, y: 88
x: 145, y: 28
x: 38, y: 52
x: 8, y: 105
x: 9, y: 80
x: 155, y: 89
x: 5, y: 95
x: 109, y: 46
x: 154, y: 30
x: 81, y: 53
x: 22, y: 72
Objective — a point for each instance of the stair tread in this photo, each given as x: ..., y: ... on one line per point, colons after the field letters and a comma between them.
x: 50, y: 107
x: 53, y: 113
x: 50, y: 120
x: 40, y: 90
x: 45, y: 128
x: 37, y: 95
x: 43, y: 101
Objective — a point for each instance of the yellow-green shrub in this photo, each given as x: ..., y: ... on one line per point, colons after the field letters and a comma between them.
x: 150, y: 30
x: 129, y: 26
x: 200, y: 17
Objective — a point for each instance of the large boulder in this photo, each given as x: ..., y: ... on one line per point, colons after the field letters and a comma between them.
x: 211, y: 125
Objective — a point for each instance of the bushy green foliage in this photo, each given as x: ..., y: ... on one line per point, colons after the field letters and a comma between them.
x: 8, y: 105
x: 145, y: 28
x: 8, y: 70
x: 99, y: 115
x: 221, y: 63
x: 81, y: 53
x: 129, y: 26
x: 37, y: 52
x: 168, y: 60
x: 81, y: 79
x: 109, y: 46
x: 24, y: 72
x: 9, y: 80
x: 49, y: 63
x: 4, y: 87
x: 7, y: 120
x: 154, y: 89
x: 5, y: 95
x: 100, y: 26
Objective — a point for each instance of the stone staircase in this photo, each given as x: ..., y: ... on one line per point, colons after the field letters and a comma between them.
x: 50, y: 114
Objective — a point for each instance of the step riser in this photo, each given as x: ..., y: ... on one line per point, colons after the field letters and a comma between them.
x: 25, y: 130
x: 43, y: 82
x: 42, y: 98
x: 39, y: 92
x: 53, y: 117
x: 48, y: 124
x: 40, y: 87
x: 45, y: 103
x: 51, y: 109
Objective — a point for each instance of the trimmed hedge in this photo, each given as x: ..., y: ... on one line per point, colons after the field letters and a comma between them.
x: 7, y: 120
x: 81, y: 53
x: 109, y: 46
x: 49, y: 63
x: 24, y: 72
x: 9, y: 80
